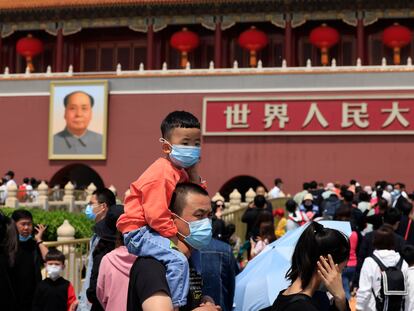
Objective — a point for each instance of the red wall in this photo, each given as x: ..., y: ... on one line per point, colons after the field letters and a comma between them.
x: 133, y: 132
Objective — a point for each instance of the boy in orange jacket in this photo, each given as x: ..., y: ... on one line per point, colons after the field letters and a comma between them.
x: 147, y: 224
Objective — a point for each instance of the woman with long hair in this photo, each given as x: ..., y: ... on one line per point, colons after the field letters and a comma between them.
x: 317, y: 262
x: 8, y: 250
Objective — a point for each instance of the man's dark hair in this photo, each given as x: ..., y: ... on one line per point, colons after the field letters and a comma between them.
x: 407, y: 253
x: 364, y: 196
x: 343, y: 213
x: 21, y: 214
x: 392, y: 216
x: 26, y: 180
x: 382, y: 204
x: 178, y: 119
x: 180, y: 193
x: 11, y: 174
x: 259, y: 201
x: 348, y: 196
x: 278, y: 181
x: 105, y: 195
x: 383, y: 238
x: 54, y: 254
x: 400, y: 184
x: 313, y: 184
x: 353, y: 182
x: 306, y: 186
x: 67, y: 98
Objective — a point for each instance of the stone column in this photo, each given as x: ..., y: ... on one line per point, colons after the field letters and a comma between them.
x: 235, y: 199
x: 113, y: 189
x: 360, y: 39
x: 218, y: 45
x: 59, y: 50
x: 90, y: 190
x: 288, y: 41
x: 250, y: 194
x: 43, y: 198
x: 150, y: 47
x: 69, y: 197
x: 65, y: 232
x: 217, y: 197
x: 11, y: 200
x: 1, y: 54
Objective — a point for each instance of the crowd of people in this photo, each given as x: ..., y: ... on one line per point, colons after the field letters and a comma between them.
x: 169, y: 248
x: 26, y: 190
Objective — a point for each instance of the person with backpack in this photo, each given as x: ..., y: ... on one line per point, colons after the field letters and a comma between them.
x: 408, y: 254
x: 382, y: 283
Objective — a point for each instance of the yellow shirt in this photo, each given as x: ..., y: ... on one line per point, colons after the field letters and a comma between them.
x: 281, y: 227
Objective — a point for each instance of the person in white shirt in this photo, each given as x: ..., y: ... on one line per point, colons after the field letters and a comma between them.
x: 408, y: 254
x: 276, y: 191
x: 370, y: 277
x: 9, y: 177
x: 3, y: 190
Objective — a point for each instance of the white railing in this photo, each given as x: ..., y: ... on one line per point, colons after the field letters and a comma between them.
x: 260, y: 69
x: 235, y: 208
x: 50, y: 198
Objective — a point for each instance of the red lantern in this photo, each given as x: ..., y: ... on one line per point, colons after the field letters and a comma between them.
x: 396, y: 37
x: 185, y: 41
x: 29, y: 47
x: 324, y: 37
x: 253, y: 40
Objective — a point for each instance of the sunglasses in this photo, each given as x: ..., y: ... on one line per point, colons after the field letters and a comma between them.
x: 219, y: 205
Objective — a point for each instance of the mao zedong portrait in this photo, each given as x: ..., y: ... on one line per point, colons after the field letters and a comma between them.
x: 76, y: 138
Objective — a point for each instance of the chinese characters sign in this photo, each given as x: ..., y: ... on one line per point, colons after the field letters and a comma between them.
x: 337, y: 115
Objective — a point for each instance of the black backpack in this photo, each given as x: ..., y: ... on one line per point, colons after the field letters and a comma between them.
x: 393, y: 287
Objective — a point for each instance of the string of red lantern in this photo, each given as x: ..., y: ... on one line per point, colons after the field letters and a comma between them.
x: 324, y: 37
x: 184, y: 41
x: 29, y: 47
x: 253, y: 40
x: 396, y: 37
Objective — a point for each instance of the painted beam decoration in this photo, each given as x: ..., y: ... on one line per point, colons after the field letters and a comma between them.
x: 308, y: 114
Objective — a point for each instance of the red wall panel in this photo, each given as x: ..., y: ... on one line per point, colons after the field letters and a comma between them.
x: 133, y: 132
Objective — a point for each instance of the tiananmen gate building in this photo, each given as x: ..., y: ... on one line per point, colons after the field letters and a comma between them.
x: 300, y: 90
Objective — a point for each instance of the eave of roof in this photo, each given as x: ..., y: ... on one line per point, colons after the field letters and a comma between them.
x: 17, y: 5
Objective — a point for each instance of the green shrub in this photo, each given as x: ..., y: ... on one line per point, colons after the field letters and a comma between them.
x: 54, y: 219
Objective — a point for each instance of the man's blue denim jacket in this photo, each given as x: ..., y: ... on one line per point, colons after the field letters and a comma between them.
x: 218, y: 269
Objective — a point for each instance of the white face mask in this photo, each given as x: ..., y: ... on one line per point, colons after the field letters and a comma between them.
x: 53, y: 271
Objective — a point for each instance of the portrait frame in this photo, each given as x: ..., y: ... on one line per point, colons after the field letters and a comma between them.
x: 96, y: 128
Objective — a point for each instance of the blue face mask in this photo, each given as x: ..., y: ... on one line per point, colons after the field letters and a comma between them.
x: 184, y: 156
x: 23, y: 238
x: 200, y: 233
x: 89, y: 212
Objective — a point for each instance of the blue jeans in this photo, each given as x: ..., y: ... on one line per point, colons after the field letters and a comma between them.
x: 347, y: 277
x: 146, y: 242
x: 84, y: 304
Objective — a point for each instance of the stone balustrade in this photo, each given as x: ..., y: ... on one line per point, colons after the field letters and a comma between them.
x: 235, y: 208
x: 50, y: 198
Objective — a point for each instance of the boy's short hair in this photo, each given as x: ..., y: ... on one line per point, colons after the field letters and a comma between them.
x: 407, y: 253
x: 178, y: 119
x: 54, y: 254
x: 383, y: 238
